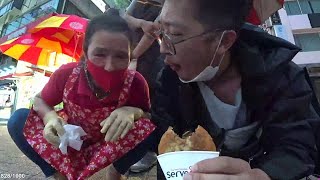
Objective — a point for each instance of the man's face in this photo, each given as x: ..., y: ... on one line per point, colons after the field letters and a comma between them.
x: 192, y: 56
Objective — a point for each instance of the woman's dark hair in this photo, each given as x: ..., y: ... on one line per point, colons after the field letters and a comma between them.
x: 109, y: 21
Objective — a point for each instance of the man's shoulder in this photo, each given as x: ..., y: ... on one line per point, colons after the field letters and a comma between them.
x: 287, y: 80
x: 284, y: 74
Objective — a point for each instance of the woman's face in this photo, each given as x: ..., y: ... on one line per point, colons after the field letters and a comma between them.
x: 109, y: 50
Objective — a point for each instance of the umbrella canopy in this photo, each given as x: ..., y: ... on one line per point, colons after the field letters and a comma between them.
x: 263, y: 9
x: 62, y: 21
x: 67, y: 29
x: 50, y: 43
x: 35, y: 50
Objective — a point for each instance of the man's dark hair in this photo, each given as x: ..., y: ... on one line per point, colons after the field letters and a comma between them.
x: 109, y: 21
x: 223, y: 14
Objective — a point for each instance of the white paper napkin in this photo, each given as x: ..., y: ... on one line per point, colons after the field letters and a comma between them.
x: 71, y: 138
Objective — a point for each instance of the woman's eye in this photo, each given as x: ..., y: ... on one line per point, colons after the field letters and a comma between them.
x: 121, y: 57
x: 100, y: 55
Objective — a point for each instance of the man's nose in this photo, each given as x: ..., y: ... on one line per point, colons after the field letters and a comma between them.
x: 164, y: 48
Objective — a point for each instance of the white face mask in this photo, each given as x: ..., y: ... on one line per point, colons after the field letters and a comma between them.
x: 209, y: 72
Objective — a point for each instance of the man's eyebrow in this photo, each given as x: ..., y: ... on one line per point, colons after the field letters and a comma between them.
x: 173, y: 24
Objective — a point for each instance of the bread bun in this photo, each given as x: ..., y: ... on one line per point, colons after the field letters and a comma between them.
x: 200, y: 140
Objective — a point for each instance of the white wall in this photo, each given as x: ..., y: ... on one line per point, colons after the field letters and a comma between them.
x: 286, y: 23
x: 304, y: 58
x: 300, y: 21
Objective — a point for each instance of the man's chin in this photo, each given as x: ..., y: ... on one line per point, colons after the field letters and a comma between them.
x: 181, y: 75
x: 184, y: 78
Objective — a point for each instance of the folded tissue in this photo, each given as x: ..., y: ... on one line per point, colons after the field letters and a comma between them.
x: 72, y: 138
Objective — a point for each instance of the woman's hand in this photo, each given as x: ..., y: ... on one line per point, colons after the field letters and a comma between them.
x: 120, y: 122
x: 225, y: 168
x: 53, y: 128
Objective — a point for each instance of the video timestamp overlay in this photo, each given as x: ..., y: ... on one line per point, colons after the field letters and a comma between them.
x: 12, y: 176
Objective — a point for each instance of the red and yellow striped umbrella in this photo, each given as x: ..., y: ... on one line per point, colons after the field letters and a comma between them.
x: 62, y: 21
x: 67, y: 29
x: 33, y: 49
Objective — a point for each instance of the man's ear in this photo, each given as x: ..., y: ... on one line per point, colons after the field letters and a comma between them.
x: 227, y: 41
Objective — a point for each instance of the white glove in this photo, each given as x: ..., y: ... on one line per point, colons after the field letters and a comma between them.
x: 53, y: 128
x: 120, y: 122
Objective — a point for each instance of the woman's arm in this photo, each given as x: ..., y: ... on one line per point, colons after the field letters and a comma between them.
x: 52, y: 93
x: 41, y: 107
x: 50, y: 96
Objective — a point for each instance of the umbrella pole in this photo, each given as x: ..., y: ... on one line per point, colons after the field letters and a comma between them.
x: 55, y: 59
x: 76, y: 46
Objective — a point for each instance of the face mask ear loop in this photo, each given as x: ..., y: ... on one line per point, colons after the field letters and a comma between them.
x: 214, y: 56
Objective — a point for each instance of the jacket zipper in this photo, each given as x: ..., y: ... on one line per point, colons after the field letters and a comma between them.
x: 259, y: 153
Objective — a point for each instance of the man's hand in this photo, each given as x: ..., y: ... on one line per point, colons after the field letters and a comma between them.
x: 120, y: 122
x: 135, y: 23
x: 53, y: 128
x: 225, y: 168
x: 149, y: 28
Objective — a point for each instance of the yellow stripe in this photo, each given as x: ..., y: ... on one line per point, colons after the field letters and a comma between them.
x: 61, y: 37
x: 53, y: 21
x: 43, y: 58
x: 16, y: 51
x: 64, y: 36
x: 49, y: 45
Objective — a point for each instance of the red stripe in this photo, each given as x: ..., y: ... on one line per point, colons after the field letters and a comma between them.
x: 31, y: 55
x: 3, y: 48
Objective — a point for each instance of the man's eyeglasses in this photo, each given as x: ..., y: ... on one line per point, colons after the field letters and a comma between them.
x: 164, y: 38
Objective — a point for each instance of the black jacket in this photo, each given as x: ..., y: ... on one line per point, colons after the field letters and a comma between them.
x: 276, y: 95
